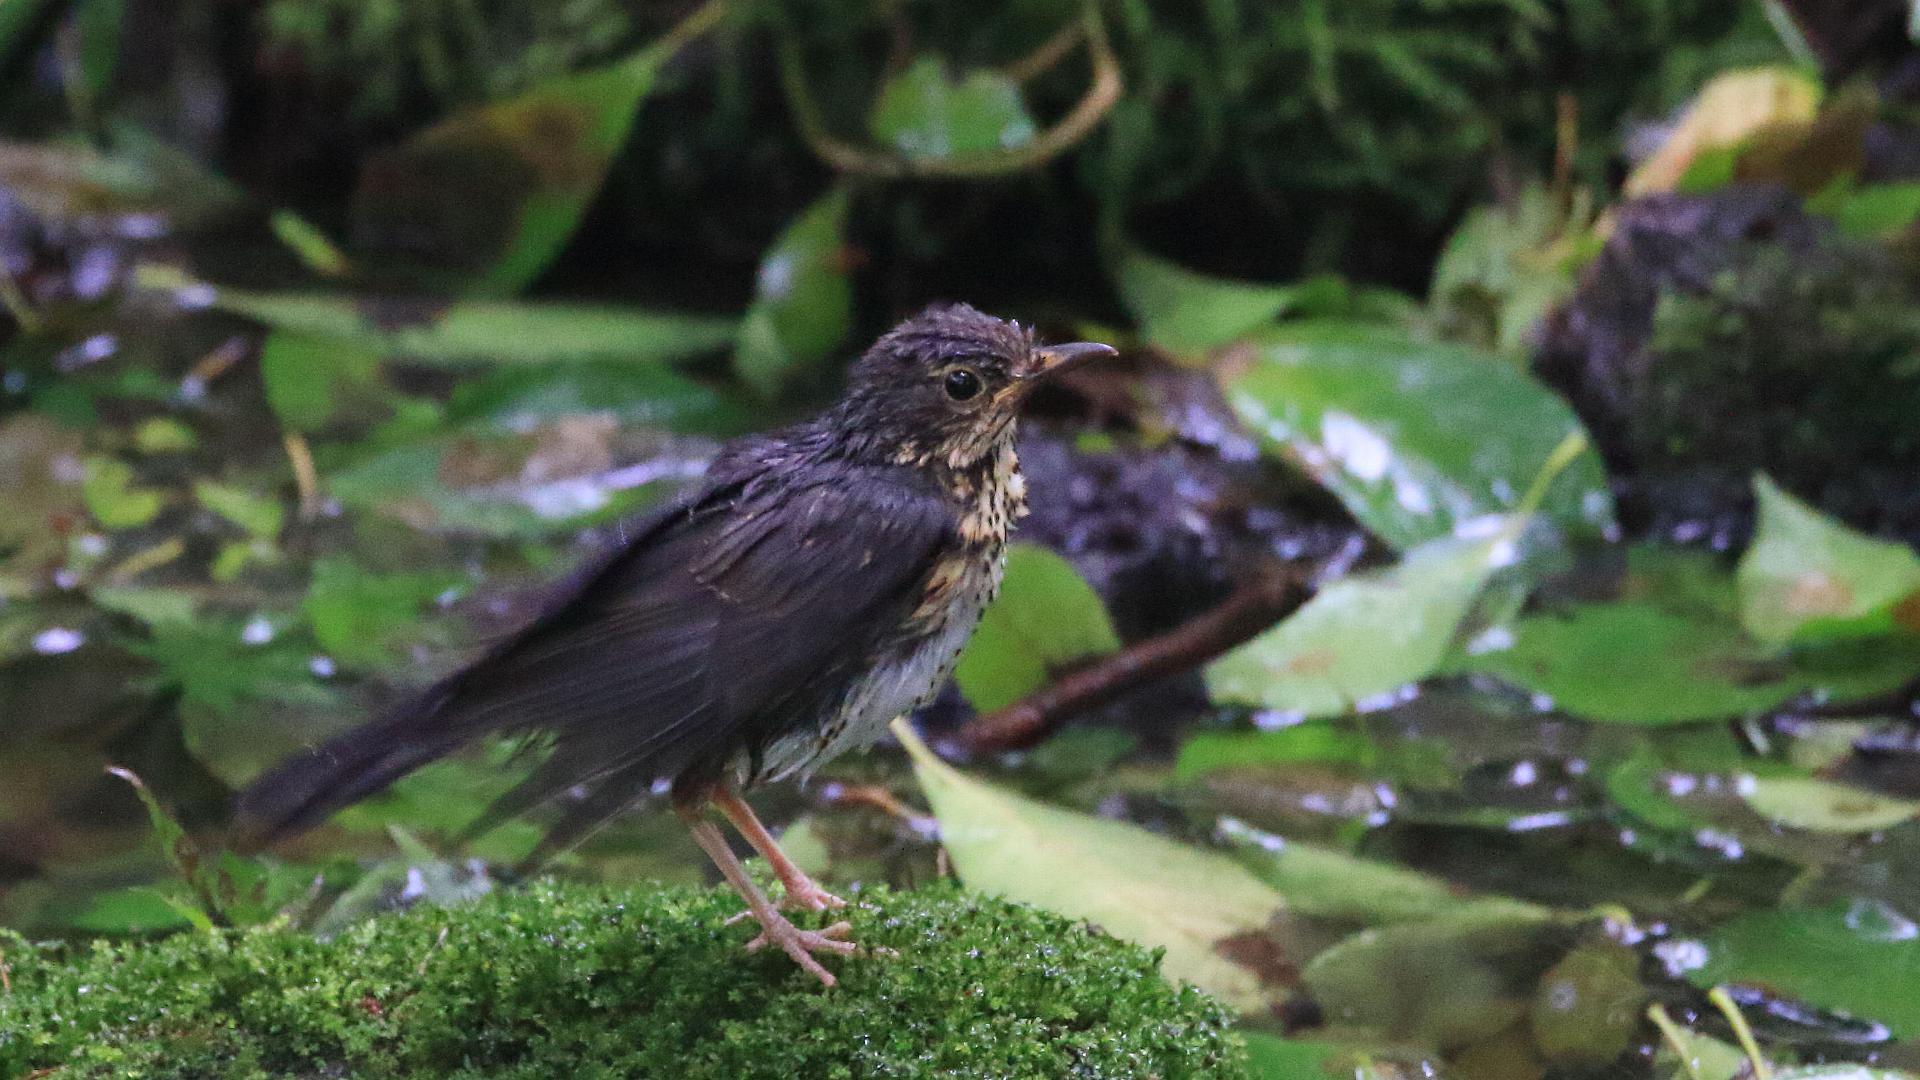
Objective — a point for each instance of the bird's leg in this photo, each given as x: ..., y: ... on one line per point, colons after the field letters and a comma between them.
x: 775, y: 928
x: 802, y: 891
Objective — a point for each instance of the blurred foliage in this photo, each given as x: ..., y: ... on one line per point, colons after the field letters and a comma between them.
x: 329, y: 330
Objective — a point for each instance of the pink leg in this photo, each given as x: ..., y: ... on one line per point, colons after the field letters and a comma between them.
x: 775, y: 929
x: 802, y: 891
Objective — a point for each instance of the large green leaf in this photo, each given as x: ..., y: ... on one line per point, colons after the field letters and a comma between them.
x: 492, y: 193
x: 1413, y: 438
x: 1438, y: 983
x: 1805, y: 802
x: 924, y: 113
x: 1806, y: 576
x: 1194, y: 904
x: 469, y: 330
x: 1183, y: 311
x: 362, y: 617
x: 803, y: 307
x: 1633, y: 662
x: 1861, y: 957
x: 1362, y: 636
x: 1333, y: 884
x: 1045, y: 617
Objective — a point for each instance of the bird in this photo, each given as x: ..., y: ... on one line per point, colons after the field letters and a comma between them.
x: 819, y: 581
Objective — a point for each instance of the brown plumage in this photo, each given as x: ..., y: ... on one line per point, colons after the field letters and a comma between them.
x: 820, y: 581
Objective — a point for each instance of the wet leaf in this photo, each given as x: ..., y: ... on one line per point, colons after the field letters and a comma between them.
x: 1045, y: 618
x: 1859, y: 957
x: 113, y: 499
x: 1184, y: 312
x: 493, y: 192
x: 1803, y: 802
x: 216, y: 670
x: 517, y: 398
x: 1705, y: 1057
x: 924, y: 113
x: 1632, y: 662
x: 1210, y: 750
x: 1332, y: 884
x: 1360, y: 637
x: 1807, y: 577
x: 552, y: 478
x: 1588, y: 1006
x: 164, y: 435
x: 311, y: 381
x: 1441, y: 983
x: 152, y: 606
x: 1138, y: 886
x: 259, y: 515
x: 1415, y: 439
x: 803, y: 305
x: 436, y: 331
x: 360, y: 617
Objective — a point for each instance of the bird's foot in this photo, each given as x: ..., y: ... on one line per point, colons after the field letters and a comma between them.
x: 802, y: 944
x: 805, y: 895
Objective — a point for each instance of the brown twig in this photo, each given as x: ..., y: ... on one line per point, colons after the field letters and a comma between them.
x: 1270, y: 597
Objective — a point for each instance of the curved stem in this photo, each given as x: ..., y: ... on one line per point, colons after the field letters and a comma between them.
x: 1065, y: 133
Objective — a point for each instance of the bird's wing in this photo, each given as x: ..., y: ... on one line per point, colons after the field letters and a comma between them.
x: 737, y: 613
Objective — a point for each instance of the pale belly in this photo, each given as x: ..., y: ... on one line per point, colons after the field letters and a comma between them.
x: 898, y: 685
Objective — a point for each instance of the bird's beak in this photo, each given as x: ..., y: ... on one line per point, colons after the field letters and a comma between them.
x: 1054, y: 359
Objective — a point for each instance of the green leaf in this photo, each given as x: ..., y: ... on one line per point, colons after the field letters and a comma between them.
x: 151, y: 606
x: 548, y: 480
x: 1332, y: 884
x: 1138, y: 886
x: 1807, y: 577
x: 438, y: 331
x: 1415, y: 439
x: 361, y: 617
x: 1860, y: 957
x: 311, y: 380
x: 1632, y: 662
x: 112, y: 498
x: 1045, y: 618
x: 164, y: 435
x: 494, y: 191
x: 926, y: 115
x: 1362, y: 636
x: 1878, y: 210
x: 1443, y: 982
x: 803, y: 306
x: 515, y: 398
x: 1184, y: 312
x: 1210, y: 750
x: 1803, y: 802
x: 260, y: 515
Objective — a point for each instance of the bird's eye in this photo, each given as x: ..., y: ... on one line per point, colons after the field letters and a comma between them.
x: 962, y: 384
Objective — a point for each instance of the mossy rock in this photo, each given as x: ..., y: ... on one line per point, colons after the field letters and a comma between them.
x: 559, y: 980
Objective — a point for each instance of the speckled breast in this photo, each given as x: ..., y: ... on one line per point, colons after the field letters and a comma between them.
x: 912, y: 670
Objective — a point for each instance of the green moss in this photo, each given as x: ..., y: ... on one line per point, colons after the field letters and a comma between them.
x: 586, y: 982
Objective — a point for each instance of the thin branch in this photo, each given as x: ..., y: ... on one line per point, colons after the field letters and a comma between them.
x: 1272, y: 596
x: 1051, y: 52
x: 1066, y: 133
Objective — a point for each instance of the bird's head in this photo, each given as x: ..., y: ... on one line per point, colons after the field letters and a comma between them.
x: 946, y: 385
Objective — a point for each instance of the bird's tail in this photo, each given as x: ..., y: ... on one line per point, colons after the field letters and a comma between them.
x: 306, y: 789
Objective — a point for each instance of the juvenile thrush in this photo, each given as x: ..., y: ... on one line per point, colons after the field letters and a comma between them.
x: 820, y: 581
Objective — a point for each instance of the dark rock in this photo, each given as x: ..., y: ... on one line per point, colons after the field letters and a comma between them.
x: 1720, y: 335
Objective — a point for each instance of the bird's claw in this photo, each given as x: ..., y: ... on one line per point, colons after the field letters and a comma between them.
x: 802, y: 944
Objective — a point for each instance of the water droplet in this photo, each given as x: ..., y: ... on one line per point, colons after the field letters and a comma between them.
x: 56, y: 640
x: 1355, y: 446
x: 1681, y: 957
x: 258, y: 631
x: 322, y: 667
x: 1875, y: 920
